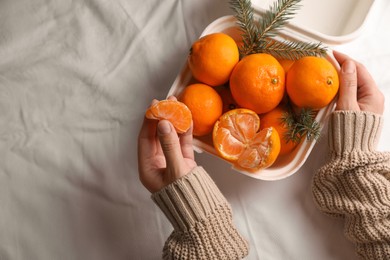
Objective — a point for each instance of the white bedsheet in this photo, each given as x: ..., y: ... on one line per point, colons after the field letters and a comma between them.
x: 75, y: 80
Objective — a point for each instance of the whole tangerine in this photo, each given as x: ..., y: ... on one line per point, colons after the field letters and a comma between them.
x: 205, y: 105
x: 212, y: 58
x: 257, y: 82
x: 312, y: 82
x: 274, y: 118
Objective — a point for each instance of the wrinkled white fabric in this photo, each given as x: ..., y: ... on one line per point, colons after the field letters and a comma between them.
x: 75, y: 80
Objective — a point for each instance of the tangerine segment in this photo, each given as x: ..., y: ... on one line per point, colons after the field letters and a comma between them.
x: 258, y: 82
x: 236, y: 138
x: 262, y: 152
x: 233, y: 130
x: 174, y: 111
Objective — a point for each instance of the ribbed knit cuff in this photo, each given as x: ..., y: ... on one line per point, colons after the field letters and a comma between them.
x: 189, y: 199
x: 354, y: 131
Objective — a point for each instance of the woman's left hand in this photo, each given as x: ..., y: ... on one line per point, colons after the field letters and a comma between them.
x: 163, y: 155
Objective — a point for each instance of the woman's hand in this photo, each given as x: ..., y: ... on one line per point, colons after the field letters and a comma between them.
x: 163, y: 156
x: 358, y: 91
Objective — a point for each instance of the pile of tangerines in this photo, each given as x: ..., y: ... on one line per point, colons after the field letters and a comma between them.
x: 240, y: 102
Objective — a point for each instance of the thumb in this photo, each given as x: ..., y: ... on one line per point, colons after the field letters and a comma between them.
x: 348, y: 87
x: 170, y: 143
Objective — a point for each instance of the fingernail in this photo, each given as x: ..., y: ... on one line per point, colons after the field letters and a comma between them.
x: 349, y: 67
x: 164, y: 127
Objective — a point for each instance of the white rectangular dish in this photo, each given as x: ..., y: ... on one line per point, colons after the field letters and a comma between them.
x: 285, y: 165
x: 331, y: 22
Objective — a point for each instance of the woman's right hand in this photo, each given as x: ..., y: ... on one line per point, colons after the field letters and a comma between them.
x: 358, y: 90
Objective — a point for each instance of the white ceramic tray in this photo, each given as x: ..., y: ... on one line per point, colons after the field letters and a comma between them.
x: 285, y: 165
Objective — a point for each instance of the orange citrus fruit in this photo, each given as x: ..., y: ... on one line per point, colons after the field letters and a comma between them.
x: 257, y: 82
x: 312, y: 82
x: 228, y: 101
x: 212, y: 58
x: 205, y: 105
x: 174, y: 111
x: 274, y: 119
x: 237, y: 139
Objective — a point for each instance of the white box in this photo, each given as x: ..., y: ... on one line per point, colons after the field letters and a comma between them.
x: 288, y: 164
x: 332, y: 22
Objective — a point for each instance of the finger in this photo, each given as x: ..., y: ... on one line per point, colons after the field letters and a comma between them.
x: 172, y: 98
x: 186, y: 142
x: 340, y: 57
x: 170, y: 144
x: 348, y: 86
x: 364, y: 77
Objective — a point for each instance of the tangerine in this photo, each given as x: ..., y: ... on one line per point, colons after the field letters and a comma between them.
x: 172, y: 110
x: 237, y: 138
x: 205, y: 105
x: 312, y: 82
x: 274, y: 118
x: 257, y: 82
x: 212, y: 58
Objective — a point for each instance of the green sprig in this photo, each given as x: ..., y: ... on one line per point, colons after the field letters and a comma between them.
x: 250, y: 33
x: 257, y: 36
x: 276, y: 17
x: 293, y: 50
x: 301, y: 125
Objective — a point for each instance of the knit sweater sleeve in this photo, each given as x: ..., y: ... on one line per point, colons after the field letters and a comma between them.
x: 355, y: 183
x: 201, y: 218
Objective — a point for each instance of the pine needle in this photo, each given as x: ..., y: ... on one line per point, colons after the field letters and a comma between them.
x: 244, y: 15
x: 301, y: 125
x: 257, y: 37
x: 293, y: 50
x: 276, y: 17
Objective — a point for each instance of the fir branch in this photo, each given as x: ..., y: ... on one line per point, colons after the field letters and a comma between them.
x: 293, y: 50
x: 300, y: 125
x: 309, y: 125
x: 244, y: 14
x: 276, y: 17
x: 257, y: 36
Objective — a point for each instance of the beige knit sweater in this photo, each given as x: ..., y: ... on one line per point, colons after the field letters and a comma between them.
x: 354, y: 185
x: 201, y: 218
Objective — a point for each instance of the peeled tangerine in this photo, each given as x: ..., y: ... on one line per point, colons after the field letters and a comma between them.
x: 237, y: 138
x: 172, y: 110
